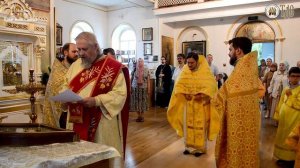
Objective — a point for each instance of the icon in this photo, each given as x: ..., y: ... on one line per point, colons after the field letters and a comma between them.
x: 272, y: 11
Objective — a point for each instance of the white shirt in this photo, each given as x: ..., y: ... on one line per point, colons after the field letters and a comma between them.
x: 214, y: 69
x: 176, y: 73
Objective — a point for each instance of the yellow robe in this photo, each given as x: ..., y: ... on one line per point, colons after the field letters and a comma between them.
x: 288, y: 110
x: 238, y: 103
x: 109, y: 131
x: 201, y: 117
x: 293, y: 141
x: 52, y: 110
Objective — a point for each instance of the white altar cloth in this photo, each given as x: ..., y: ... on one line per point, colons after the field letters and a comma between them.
x: 57, y: 155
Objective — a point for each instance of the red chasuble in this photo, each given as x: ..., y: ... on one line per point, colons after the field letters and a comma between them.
x: 105, y: 73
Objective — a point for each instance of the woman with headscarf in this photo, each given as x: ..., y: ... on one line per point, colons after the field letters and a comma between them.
x: 278, y: 82
x: 267, y: 80
x: 140, y: 90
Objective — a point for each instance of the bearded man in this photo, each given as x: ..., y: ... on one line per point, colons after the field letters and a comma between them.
x: 55, y: 113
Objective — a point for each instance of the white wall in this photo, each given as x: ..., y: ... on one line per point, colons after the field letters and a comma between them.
x: 216, y: 31
x: 219, y: 30
x: 291, y: 33
x: 137, y: 18
x: 68, y: 13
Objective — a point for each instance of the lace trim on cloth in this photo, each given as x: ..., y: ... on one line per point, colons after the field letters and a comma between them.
x: 57, y: 155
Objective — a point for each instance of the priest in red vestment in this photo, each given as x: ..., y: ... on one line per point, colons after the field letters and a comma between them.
x: 103, y: 83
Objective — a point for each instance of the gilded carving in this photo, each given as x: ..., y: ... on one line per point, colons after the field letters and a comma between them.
x: 42, y: 40
x: 19, y: 21
x: 16, y: 9
x: 16, y: 26
x: 12, y: 55
x: 39, y: 29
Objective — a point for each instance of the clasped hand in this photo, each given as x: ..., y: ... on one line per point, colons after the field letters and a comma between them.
x: 288, y: 92
x: 189, y: 97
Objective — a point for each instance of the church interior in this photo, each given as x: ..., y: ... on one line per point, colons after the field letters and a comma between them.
x: 33, y: 32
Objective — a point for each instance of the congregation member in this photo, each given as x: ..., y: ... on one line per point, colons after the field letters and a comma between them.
x: 268, y: 63
x: 140, y: 90
x: 278, y: 82
x: 163, y: 75
x: 214, y: 69
x: 266, y: 81
x: 109, y: 52
x: 178, y: 69
x: 262, y: 68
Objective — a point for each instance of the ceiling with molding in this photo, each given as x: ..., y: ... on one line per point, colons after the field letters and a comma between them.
x: 119, y: 4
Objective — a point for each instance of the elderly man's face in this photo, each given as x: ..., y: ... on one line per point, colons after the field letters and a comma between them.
x: 86, y: 51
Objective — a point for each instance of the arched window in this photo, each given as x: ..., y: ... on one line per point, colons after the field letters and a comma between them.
x: 78, y: 28
x: 128, y: 42
x: 124, y: 42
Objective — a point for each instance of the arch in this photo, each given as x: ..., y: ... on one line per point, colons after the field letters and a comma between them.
x: 244, y: 19
x: 188, y: 34
x: 124, y: 55
x: 117, y: 31
x: 273, y: 24
x: 78, y: 27
x: 257, y: 31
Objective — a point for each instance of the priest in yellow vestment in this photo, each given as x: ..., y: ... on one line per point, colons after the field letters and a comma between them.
x: 238, y: 103
x: 53, y: 110
x: 190, y: 112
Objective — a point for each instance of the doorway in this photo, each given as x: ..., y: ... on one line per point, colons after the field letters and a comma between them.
x: 264, y: 50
